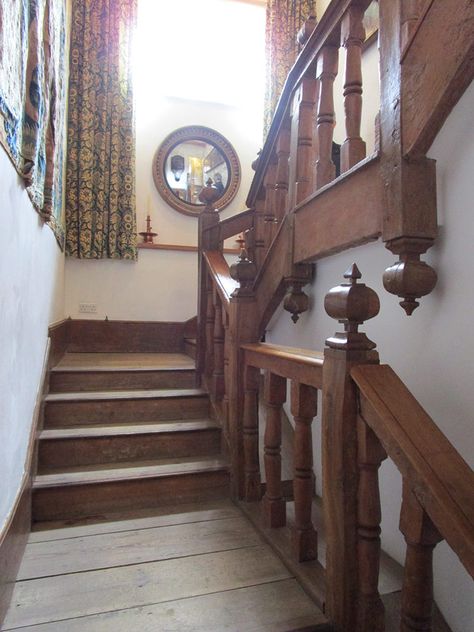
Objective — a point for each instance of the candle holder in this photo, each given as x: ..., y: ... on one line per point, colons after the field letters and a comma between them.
x: 148, y: 234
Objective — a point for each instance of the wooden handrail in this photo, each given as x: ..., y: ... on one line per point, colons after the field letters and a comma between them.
x: 441, y: 480
x: 236, y: 224
x: 219, y: 270
x: 302, y: 365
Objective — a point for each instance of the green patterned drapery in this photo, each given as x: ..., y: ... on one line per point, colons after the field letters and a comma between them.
x: 33, y: 98
x: 100, y: 169
x: 284, y: 19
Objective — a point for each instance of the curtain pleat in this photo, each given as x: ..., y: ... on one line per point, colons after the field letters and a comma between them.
x: 100, y: 171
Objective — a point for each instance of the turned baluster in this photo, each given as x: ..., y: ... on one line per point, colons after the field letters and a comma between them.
x: 305, y: 149
x: 218, y: 373
x: 225, y: 401
x: 352, y: 38
x: 421, y: 537
x: 259, y: 231
x: 250, y: 428
x: 283, y: 169
x: 410, y: 16
x: 209, y: 359
x: 274, y: 507
x: 304, y: 401
x: 269, y: 215
x: 326, y: 72
x: 370, y: 610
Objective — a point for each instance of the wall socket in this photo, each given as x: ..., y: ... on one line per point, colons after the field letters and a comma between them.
x: 87, y: 308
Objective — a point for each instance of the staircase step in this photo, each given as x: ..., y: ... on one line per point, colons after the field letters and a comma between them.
x: 106, y: 407
x: 92, y: 491
x: 190, y: 347
x: 93, y: 445
x: 62, y: 381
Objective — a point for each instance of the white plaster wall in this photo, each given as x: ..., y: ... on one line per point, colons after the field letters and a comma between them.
x: 148, y: 289
x: 432, y: 350
x: 31, y: 297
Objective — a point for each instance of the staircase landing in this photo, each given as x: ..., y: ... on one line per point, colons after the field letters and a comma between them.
x: 199, y: 568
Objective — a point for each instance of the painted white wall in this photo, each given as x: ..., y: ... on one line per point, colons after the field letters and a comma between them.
x: 31, y: 297
x: 145, y: 290
x: 431, y: 350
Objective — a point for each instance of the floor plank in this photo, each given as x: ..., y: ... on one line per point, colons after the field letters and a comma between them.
x: 146, y: 545
x: 144, y: 519
x: 93, y: 592
x: 276, y: 607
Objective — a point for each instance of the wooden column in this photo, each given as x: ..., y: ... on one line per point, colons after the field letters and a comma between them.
x: 327, y: 66
x: 370, y: 610
x: 282, y: 170
x: 350, y: 303
x: 251, y: 453
x: 352, y: 37
x: 421, y: 537
x: 218, y: 341
x: 259, y: 231
x: 225, y: 401
x: 304, y: 402
x: 208, y: 346
x: 274, y: 507
x: 305, y: 130
x: 270, y: 196
x: 409, y: 182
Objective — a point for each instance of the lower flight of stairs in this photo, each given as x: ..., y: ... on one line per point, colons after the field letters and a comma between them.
x: 125, y: 435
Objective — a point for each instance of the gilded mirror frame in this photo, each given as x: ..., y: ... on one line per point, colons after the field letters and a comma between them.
x: 187, y: 134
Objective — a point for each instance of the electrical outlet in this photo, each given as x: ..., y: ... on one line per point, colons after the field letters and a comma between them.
x: 87, y: 308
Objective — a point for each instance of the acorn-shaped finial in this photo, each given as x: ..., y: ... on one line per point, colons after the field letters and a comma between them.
x: 209, y: 195
x: 351, y: 304
x: 244, y: 271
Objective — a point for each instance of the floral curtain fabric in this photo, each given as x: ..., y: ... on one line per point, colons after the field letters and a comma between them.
x: 32, y: 99
x: 284, y: 19
x: 100, y: 170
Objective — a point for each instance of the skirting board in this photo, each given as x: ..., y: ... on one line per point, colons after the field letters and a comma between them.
x: 16, y: 530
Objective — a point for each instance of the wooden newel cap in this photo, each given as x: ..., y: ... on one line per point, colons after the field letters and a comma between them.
x: 351, y: 304
x: 209, y: 195
x: 244, y: 271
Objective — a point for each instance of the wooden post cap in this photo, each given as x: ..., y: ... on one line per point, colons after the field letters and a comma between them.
x: 209, y: 195
x: 351, y: 304
x: 244, y: 271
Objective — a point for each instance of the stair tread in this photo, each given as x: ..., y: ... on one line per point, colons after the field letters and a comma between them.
x: 124, y: 362
x: 111, y: 430
x: 129, y: 471
x: 129, y: 394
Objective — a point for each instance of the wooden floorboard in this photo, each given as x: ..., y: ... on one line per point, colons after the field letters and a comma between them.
x: 275, y: 607
x: 101, y: 576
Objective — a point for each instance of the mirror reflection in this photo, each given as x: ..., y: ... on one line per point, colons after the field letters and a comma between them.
x: 190, y: 165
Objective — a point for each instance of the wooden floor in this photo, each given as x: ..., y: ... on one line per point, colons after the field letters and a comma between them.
x: 184, y: 568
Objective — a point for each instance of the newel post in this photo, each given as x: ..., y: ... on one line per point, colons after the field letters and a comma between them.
x: 208, y: 239
x: 351, y: 304
x: 243, y: 328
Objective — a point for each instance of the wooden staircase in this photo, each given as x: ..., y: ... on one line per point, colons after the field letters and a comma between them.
x: 124, y: 432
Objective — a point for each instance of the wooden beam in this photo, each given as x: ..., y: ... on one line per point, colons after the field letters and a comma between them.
x: 326, y: 223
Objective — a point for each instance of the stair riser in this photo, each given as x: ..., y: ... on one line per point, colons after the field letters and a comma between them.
x: 80, y: 501
x: 73, y: 413
x: 58, y: 453
x: 190, y: 349
x: 72, y: 381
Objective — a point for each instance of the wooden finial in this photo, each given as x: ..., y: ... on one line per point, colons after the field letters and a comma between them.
x: 209, y: 195
x: 351, y: 304
x: 305, y: 31
x: 296, y: 301
x: 409, y: 278
x: 244, y: 271
x: 257, y: 160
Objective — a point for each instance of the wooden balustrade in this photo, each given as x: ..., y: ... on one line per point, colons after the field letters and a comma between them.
x: 327, y: 66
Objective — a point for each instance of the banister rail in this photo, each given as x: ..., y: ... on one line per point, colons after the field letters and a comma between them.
x: 236, y: 224
x: 219, y: 269
x: 440, y: 479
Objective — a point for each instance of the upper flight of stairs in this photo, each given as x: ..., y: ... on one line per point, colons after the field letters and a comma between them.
x: 123, y: 432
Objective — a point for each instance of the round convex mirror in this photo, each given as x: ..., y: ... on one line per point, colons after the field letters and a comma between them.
x: 191, y: 158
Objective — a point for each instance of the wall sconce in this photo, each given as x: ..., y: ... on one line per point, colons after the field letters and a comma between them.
x: 177, y: 167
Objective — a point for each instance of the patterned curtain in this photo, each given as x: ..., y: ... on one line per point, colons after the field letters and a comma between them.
x: 284, y: 20
x: 32, y: 99
x: 100, y: 170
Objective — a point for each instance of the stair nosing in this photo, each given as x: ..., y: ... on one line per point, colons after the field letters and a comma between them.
x: 136, y: 473
x: 94, y: 432
x: 148, y: 369
x: 123, y: 395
